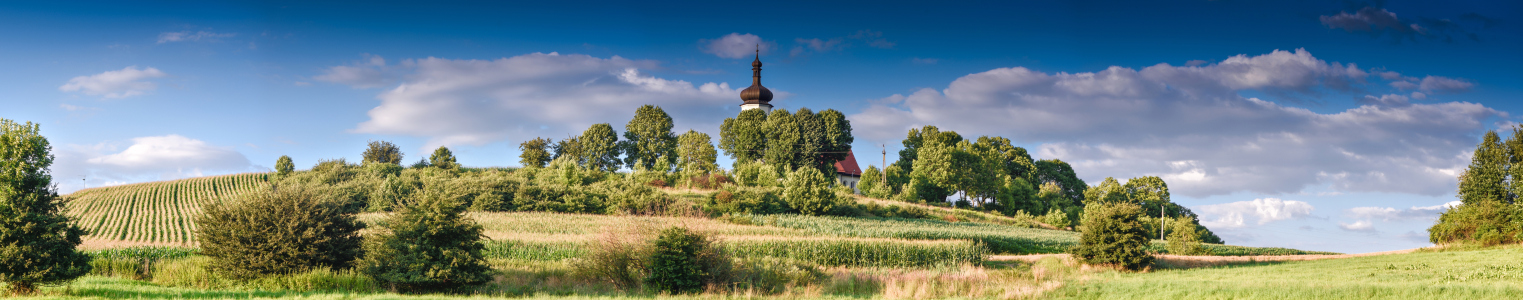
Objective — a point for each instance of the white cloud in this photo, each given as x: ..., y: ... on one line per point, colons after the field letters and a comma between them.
x: 736, y: 45
x: 1359, y: 226
x: 371, y: 72
x: 146, y: 159
x: 1394, y: 214
x: 1366, y: 19
x: 1122, y: 122
x: 1444, y: 84
x: 184, y: 36
x: 1259, y: 211
x: 127, y: 82
x: 1391, y: 100
x: 546, y: 95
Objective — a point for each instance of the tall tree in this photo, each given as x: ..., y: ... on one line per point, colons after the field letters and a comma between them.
x: 1151, y: 193
x: 600, y: 148
x: 569, y: 148
x: 783, y: 140
x: 1484, y: 180
x: 650, y: 139
x: 1060, y: 173
x: 921, y: 137
x: 834, y: 146
x: 935, y: 167
x: 37, y: 241
x: 535, y: 153
x: 382, y: 152
x: 443, y: 159
x: 1108, y: 191
x: 695, y: 151
x: 744, y: 137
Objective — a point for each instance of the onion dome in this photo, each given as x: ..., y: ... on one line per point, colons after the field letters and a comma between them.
x: 756, y: 94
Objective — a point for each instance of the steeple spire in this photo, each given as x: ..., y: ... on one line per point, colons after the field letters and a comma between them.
x: 756, y: 96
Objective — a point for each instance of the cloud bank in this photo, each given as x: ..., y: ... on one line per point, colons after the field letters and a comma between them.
x: 1258, y: 211
x: 146, y: 159
x: 1191, y: 125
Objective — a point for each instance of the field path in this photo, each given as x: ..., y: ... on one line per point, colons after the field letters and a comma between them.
x: 1207, y: 261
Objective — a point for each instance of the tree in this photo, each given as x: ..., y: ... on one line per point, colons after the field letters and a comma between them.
x: 1184, y: 238
x: 570, y: 149
x: 1108, y: 191
x: 284, y: 231
x: 37, y: 241
x: 783, y: 140
x: 935, y: 167
x: 744, y: 137
x: 1485, y: 179
x: 429, y: 246
x: 1113, y: 235
x: 836, y: 142
x: 650, y: 139
x: 872, y: 184
x: 535, y: 153
x: 1152, y: 194
x: 694, y: 151
x: 808, y: 191
x: 382, y: 152
x: 600, y: 148
x: 928, y: 135
x: 1060, y: 173
x: 443, y: 159
x: 284, y: 166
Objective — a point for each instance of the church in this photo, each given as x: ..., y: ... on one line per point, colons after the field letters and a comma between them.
x: 759, y: 97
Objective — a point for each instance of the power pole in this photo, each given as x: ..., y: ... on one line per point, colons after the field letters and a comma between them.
x: 885, y: 163
x: 1160, y: 222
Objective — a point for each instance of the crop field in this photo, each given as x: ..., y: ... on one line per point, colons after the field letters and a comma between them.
x: 155, y: 212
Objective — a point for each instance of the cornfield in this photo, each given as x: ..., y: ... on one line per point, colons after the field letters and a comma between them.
x: 155, y: 212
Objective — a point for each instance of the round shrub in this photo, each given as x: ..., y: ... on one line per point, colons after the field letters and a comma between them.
x: 1184, y: 237
x: 427, y: 247
x: 808, y: 192
x: 1113, y: 236
x: 682, y: 261
x: 285, y: 231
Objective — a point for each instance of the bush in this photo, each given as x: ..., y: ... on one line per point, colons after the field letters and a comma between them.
x: 1113, y: 235
x: 682, y: 261
x: 1057, y: 218
x: 617, y: 256
x: 770, y: 275
x: 37, y: 240
x: 284, y: 166
x: 750, y: 200
x: 286, y: 231
x: 1486, y: 223
x: 808, y: 192
x: 429, y: 246
x: 1184, y: 238
x: 443, y: 159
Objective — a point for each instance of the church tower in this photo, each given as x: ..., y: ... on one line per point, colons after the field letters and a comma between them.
x: 756, y: 96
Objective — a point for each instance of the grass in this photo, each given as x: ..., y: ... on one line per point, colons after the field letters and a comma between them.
x: 1481, y: 274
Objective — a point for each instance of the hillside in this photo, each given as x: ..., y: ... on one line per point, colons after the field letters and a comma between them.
x: 152, y: 213
x: 162, y: 213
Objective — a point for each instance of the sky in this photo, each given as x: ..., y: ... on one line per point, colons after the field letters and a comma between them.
x: 1332, y: 126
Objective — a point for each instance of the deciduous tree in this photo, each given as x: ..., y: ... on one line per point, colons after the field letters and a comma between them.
x: 382, y: 152
x: 535, y: 153
x: 649, y: 139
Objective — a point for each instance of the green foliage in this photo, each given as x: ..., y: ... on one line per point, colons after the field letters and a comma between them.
x: 1057, y: 218
x: 757, y: 173
x: 808, y: 192
x: 535, y: 153
x: 744, y: 199
x: 865, y: 253
x: 427, y: 247
x: 682, y: 261
x: 744, y: 137
x: 1485, y: 179
x: 382, y: 152
x: 917, y: 138
x: 784, y: 138
x: 1113, y: 235
x: 284, y: 166
x: 873, y: 185
x: 289, y: 230
x: 443, y: 159
x: 1071, y: 187
x: 649, y: 139
x: 600, y: 148
x: 935, y: 168
x: 1184, y: 237
x: 696, y: 153
x: 37, y: 240
x: 1486, y: 223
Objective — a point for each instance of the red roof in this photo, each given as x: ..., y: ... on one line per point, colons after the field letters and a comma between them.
x: 848, y: 166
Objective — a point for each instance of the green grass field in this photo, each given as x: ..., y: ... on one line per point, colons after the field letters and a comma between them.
x: 1495, y: 273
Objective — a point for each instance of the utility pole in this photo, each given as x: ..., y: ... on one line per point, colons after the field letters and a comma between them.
x: 82, y: 184
x: 1160, y: 222
x: 885, y: 163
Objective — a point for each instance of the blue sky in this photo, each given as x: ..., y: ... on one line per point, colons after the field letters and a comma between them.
x: 1317, y: 125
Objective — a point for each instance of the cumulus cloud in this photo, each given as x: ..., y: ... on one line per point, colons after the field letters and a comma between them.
x: 188, y: 36
x: 736, y: 45
x: 127, y: 82
x: 1359, y: 226
x: 1391, y: 100
x: 1191, y: 125
x: 1258, y: 211
x: 1444, y: 84
x: 481, y: 101
x: 147, y: 159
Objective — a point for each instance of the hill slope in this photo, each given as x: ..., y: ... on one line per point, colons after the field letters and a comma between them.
x: 153, y: 212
